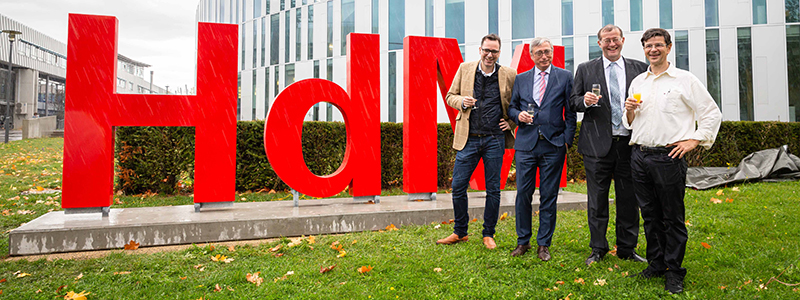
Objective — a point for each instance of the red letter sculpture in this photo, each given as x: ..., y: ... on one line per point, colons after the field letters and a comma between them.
x: 93, y: 107
x: 360, y: 106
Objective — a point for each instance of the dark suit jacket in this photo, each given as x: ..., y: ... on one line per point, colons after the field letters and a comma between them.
x: 554, y: 118
x: 595, y: 136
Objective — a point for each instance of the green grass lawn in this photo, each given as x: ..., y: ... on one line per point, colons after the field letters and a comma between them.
x: 752, y: 238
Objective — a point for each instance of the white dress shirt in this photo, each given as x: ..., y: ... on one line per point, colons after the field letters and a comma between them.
x: 675, y: 107
x: 537, y: 83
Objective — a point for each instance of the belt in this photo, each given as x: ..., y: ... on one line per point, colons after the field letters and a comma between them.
x: 481, y: 135
x: 618, y: 138
x: 654, y: 149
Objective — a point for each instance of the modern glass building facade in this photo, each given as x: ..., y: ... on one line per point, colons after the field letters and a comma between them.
x: 746, y: 52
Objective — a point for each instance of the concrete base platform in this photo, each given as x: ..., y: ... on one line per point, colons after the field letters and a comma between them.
x: 171, y: 225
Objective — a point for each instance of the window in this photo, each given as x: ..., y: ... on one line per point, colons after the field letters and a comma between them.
x: 522, y: 19
x: 298, y: 17
x: 793, y: 67
x: 348, y: 22
x: 454, y: 20
x: 712, y: 65
x: 712, y: 13
x: 375, y: 16
x: 283, y: 5
x: 287, y: 45
x: 277, y: 81
x: 682, y: 49
x: 310, y: 42
x: 566, y: 17
x: 397, y: 31
x: 266, y: 92
x: 792, y: 11
x: 255, y: 42
x: 316, y: 69
x: 665, y: 14
x: 745, y: 74
x: 263, y: 41
x: 242, y: 37
x: 257, y: 8
x: 239, y: 97
x: 329, y: 107
x: 608, y: 12
x: 569, y: 55
x: 275, y: 39
x: 759, y: 11
x: 289, y: 76
x: 429, y: 17
x: 237, y: 13
x: 253, y: 100
x: 594, y: 48
x: 330, y: 28
x: 392, y: 87
x: 493, y: 23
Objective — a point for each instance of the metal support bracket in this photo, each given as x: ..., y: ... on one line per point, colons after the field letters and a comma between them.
x: 225, y: 204
x: 364, y: 199
x: 296, y: 197
x: 422, y: 196
x: 88, y: 210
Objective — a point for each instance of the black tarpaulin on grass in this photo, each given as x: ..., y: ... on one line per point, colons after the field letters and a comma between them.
x: 775, y: 164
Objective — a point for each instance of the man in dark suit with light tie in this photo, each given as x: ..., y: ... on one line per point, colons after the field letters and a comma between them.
x: 603, y: 142
x: 542, y: 140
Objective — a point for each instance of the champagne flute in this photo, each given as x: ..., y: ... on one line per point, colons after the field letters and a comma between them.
x: 531, y: 109
x: 596, y: 92
x: 475, y: 106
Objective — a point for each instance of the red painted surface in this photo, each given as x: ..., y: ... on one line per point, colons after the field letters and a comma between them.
x: 360, y: 107
x: 93, y: 107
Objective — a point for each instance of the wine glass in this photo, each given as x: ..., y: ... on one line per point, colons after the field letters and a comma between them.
x: 596, y: 92
x: 530, y: 111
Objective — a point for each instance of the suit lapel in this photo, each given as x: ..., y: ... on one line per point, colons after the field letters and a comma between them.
x: 601, y: 78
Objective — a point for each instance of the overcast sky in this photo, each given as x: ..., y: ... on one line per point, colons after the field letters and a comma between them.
x: 158, y: 33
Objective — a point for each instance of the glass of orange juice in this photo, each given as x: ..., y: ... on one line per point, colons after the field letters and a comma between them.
x: 638, y: 97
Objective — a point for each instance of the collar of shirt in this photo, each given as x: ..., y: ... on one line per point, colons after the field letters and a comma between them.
x: 671, y: 69
x: 546, y: 71
x: 494, y: 68
x: 620, y: 63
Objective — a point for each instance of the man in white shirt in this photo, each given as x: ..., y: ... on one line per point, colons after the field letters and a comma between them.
x: 676, y: 114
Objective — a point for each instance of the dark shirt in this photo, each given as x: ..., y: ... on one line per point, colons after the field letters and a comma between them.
x: 486, y: 119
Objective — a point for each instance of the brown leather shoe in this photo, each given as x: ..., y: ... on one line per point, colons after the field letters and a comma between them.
x: 489, y: 242
x: 544, y: 253
x: 452, y: 239
x: 520, y: 250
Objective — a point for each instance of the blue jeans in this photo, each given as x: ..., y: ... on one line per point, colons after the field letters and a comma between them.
x: 549, y: 159
x: 491, y: 149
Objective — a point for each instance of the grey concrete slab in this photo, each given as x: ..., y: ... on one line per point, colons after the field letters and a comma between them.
x: 170, y: 225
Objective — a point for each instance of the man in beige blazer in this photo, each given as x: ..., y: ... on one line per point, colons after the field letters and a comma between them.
x: 481, y: 92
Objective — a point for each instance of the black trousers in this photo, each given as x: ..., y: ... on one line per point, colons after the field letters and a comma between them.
x: 660, y: 184
x: 599, y: 172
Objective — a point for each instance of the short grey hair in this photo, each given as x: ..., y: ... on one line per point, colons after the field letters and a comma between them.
x: 537, y: 41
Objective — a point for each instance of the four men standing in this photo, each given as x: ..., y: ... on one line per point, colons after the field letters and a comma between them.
x: 603, y: 142
x: 635, y: 131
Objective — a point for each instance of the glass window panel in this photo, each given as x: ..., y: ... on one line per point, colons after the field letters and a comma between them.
x: 397, y: 23
x: 375, y: 16
x: 275, y: 39
x: 594, y: 48
x: 298, y: 18
x: 608, y: 12
x: 759, y: 11
x: 277, y: 82
x: 712, y: 13
x: 253, y: 99
x: 792, y: 11
x: 793, y: 67
x: 286, y: 45
x: 745, y: 74
x: 283, y: 5
x: 569, y: 54
x: 330, y: 28
x: 266, y: 93
x: 429, y: 17
x: 237, y: 11
x: 493, y: 22
x: 289, y: 76
x: 316, y: 69
x: 522, y: 19
x: 392, y: 87
x: 665, y: 14
x: 682, y: 49
x: 255, y: 42
x: 257, y: 8
x: 348, y: 22
x: 454, y: 20
x: 712, y: 65
x: 263, y: 41
x: 238, y: 97
x: 310, y: 43
x: 566, y: 17
x: 243, y: 51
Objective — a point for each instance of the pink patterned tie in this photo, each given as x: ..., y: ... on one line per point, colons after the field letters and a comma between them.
x: 542, y: 86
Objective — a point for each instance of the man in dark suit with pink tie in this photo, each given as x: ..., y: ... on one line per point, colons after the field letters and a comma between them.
x: 540, y: 107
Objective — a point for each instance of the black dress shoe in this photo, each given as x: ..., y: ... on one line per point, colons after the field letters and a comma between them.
x: 674, y: 283
x: 544, y: 253
x: 633, y: 256
x: 648, y: 273
x: 520, y: 250
x: 596, y: 256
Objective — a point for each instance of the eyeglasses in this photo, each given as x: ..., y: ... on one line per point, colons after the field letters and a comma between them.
x: 489, y: 51
x: 616, y: 40
x: 542, y: 52
x: 656, y: 45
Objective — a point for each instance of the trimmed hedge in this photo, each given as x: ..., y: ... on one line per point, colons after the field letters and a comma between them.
x: 154, y: 159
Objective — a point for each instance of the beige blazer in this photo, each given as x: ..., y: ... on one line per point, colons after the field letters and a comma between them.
x: 463, y: 84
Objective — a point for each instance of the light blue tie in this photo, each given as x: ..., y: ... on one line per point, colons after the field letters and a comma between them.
x: 616, y: 110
